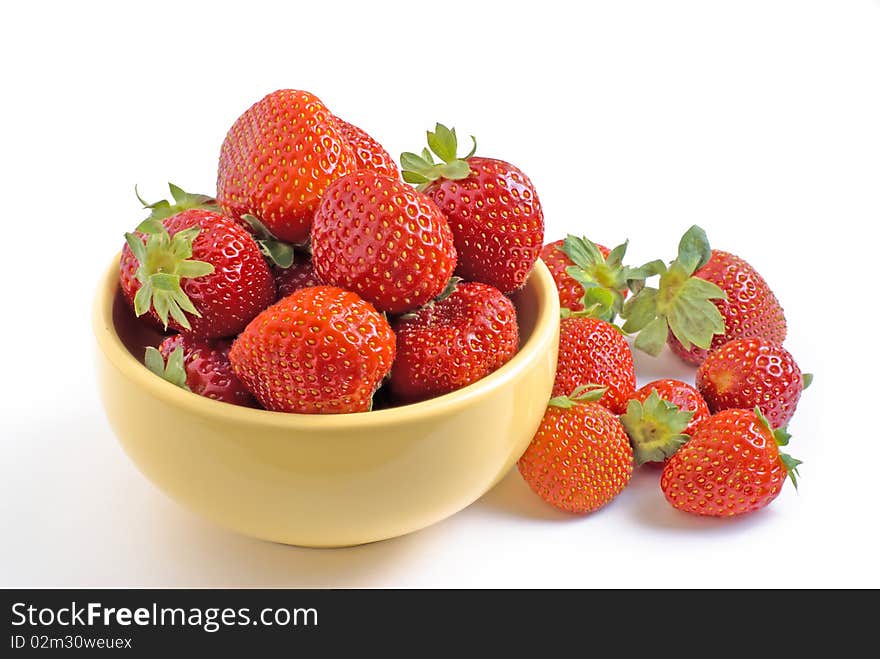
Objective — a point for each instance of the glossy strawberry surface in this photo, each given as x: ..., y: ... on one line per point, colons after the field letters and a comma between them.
x: 368, y: 153
x: 729, y: 467
x: 277, y: 160
x: 454, y: 342
x: 497, y: 221
x: 682, y: 395
x: 752, y: 372
x: 208, y: 371
x: 240, y: 286
x: 750, y: 310
x: 592, y: 351
x: 384, y: 240
x: 580, y: 458
x: 300, y: 275
x: 320, y: 350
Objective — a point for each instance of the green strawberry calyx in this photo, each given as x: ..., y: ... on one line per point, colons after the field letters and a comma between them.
x: 681, y: 304
x: 182, y: 201
x: 781, y: 436
x: 604, y: 280
x: 806, y: 381
x: 582, y: 394
x: 421, y: 168
x: 655, y: 428
x: 173, y: 370
x: 448, y: 290
x: 163, y: 263
x: 276, y: 251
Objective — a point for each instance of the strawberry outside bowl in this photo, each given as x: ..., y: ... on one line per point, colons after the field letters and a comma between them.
x: 326, y: 480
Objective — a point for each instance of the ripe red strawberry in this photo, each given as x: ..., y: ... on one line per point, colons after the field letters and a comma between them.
x: 378, y: 237
x: 320, y: 350
x: 705, y: 298
x: 278, y: 159
x: 571, y: 291
x: 492, y: 207
x: 300, y: 275
x: 588, y: 273
x: 580, y: 458
x: 368, y: 153
x: 453, y: 341
x: 732, y: 465
x: 661, y: 416
x: 750, y: 310
x: 746, y: 373
x: 195, y: 271
x: 593, y: 352
x: 681, y: 394
x: 201, y: 366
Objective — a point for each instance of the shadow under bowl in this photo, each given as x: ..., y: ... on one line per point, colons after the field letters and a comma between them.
x: 325, y: 480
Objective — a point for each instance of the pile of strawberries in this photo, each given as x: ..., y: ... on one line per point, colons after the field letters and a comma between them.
x: 718, y: 442
x: 318, y: 275
x: 322, y: 279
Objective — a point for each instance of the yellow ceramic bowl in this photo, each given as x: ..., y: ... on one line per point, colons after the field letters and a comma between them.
x: 326, y: 481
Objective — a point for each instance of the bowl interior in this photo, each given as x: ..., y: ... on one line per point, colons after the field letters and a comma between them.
x: 536, y: 306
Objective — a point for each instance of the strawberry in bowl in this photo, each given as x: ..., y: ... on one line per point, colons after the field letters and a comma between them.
x: 194, y: 270
x: 492, y: 207
x: 320, y: 350
x: 277, y: 160
x: 383, y: 240
x: 457, y: 339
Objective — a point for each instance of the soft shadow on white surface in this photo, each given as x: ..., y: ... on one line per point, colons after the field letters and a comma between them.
x: 664, y: 365
x: 648, y: 506
x: 642, y: 499
x: 513, y: 497
x: 207, y: 555
x: 80, y: 514
x: 75, y: 512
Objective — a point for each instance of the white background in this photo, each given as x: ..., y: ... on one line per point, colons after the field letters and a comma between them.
x: 759, y: 120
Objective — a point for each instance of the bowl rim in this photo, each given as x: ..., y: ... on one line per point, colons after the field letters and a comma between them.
x: 544, y: 332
